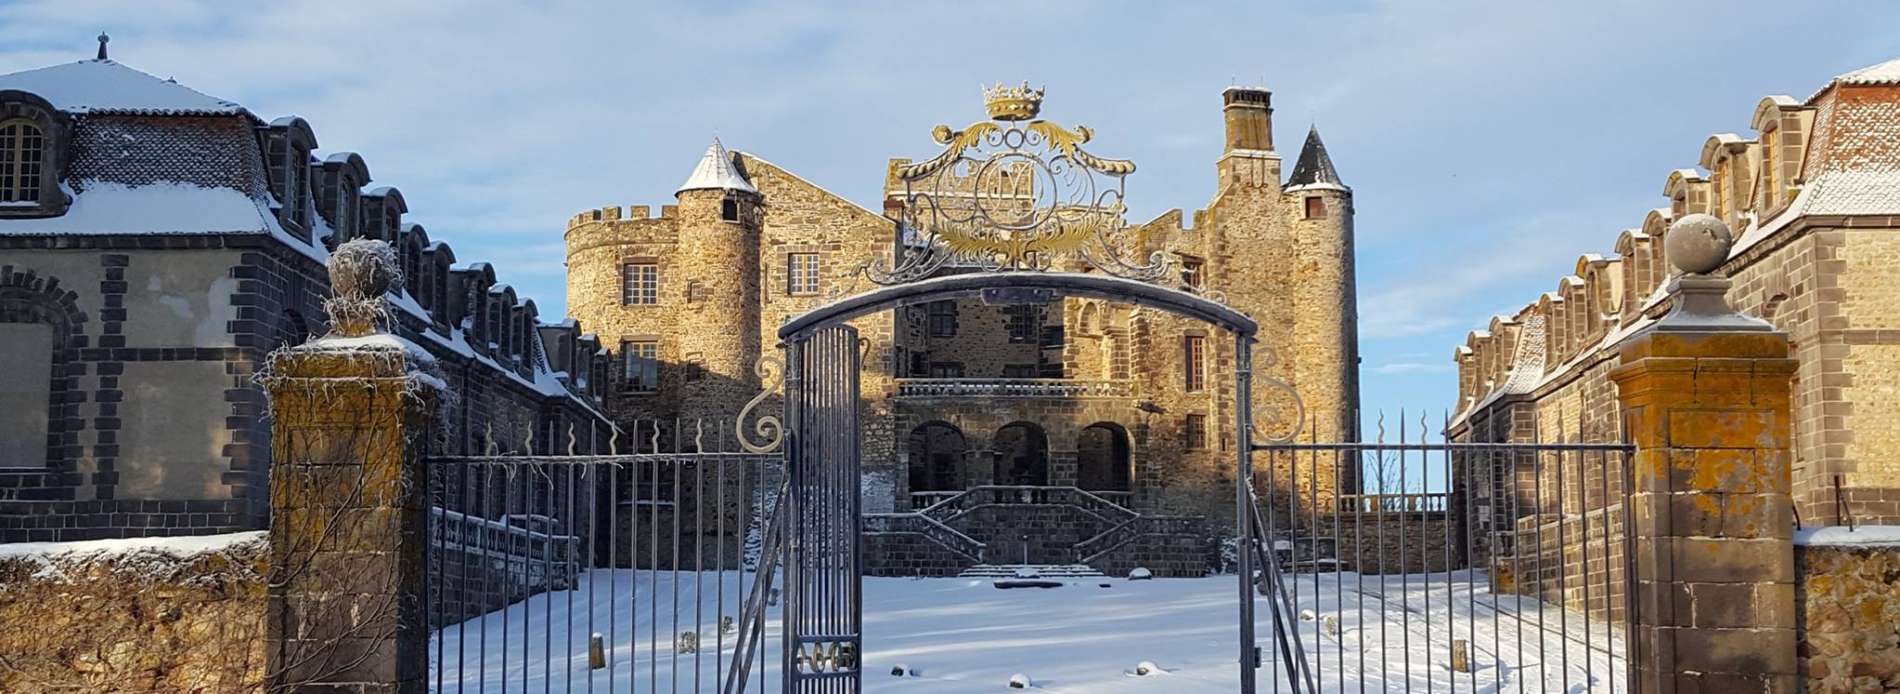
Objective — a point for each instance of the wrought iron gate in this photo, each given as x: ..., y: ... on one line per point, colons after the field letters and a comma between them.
x: 823, y: 605
x: 1419, y: 565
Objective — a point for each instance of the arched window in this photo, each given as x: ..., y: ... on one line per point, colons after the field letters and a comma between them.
x: 936, y: 454
x: 1102, y: 458
x: 1022, y: 455
x: 22, y: 162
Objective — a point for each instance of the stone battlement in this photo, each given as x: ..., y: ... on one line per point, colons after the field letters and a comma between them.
x: 616, y: 213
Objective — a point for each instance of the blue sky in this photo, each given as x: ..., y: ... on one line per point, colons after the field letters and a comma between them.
x: 1488, y: 143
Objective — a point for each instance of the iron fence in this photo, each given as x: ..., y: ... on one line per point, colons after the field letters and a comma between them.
x: 609, y: 572
x: 1458, y: 565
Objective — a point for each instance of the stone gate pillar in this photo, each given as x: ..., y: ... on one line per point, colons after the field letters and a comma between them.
x: 1706, y: 394
x: 348, y: 495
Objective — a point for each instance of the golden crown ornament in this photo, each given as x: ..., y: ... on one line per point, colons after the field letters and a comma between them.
x: 1012, y: 103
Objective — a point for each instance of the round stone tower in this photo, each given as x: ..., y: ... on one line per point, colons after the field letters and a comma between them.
x: 717, y: 270
x: 1326, y: 354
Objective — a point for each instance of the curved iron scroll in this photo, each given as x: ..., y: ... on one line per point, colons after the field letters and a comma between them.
x: 1268, y: 357
x: 768, y: 427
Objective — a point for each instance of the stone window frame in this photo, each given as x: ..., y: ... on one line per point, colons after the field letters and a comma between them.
x: 646, y: 349
x: 1313, y: 207
x: 26, y: 297
x: 802, y: 273
x: 1193, y: 271
x: 940, y: 318
x: 1194, y: 431
x: 648, y: 293
x: 55, y: 133
x: 1194, y: 363
x: 1022, y: 321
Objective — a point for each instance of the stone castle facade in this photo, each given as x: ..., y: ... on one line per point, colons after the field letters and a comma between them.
x: 1812, y: 195
x: 1131, y: 406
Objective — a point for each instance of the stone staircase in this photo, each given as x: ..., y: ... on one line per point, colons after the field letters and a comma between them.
x: 1049, y: 571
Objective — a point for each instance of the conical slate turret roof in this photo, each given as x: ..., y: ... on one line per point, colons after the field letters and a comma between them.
x: 715, y: 172
x: 1314, y: 166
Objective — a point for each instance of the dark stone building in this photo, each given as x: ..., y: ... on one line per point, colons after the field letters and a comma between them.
x: 156, y: 244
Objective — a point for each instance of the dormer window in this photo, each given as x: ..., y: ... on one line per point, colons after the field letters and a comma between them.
x: 30, y: 156
x: 729, y: 210
x: 22, y: 162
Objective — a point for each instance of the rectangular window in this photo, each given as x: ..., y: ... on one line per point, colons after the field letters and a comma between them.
x: 1022, y: 320
x: 643, y: 365
x: 801, y: 274
x: 1194, y: 362
x: 639, y: 284
x: 946, y: 369
x: 1194, y: 432
x: 1019, y: 371
x: 1315, y: 208
x: 943, y: 318
x: 1193, y: 272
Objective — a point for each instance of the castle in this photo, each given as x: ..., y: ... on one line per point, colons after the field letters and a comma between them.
x: 1044, y: 409
x: 1812, y: 197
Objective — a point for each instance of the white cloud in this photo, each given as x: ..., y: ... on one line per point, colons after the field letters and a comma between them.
x: 1411, y: 367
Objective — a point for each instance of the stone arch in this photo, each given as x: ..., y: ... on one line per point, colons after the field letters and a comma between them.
x: 28, y: 301
x: 1022, y: 454
x: 1104, y: 458
x: 936, y: 451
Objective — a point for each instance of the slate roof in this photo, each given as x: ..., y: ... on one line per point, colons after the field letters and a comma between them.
x: 103, y: 86
x: 1314, y: 166
x: 715, y: 172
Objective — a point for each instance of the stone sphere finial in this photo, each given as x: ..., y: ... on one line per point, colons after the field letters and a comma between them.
x: 1698, y: 244
x: 363, y: 269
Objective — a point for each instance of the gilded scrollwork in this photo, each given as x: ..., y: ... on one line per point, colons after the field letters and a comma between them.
x: 1015, y: 193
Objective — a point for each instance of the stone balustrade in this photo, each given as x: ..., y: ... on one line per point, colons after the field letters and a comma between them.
x: 1013, y: 388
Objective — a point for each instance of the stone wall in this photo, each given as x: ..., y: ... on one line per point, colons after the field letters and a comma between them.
x: 908, y: 554
x: 1172, y: 555
x: 1847, y: 600
x: 110, y: 616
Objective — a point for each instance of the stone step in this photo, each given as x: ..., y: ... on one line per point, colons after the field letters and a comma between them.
x: 1030, y: 571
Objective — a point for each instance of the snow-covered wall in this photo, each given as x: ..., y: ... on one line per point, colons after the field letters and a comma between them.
x: 175, y: 614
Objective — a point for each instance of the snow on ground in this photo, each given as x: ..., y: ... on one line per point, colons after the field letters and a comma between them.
x: 963, y: 635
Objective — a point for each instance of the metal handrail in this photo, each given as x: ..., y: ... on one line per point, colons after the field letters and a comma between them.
x: 1129, y: 531
x: 951, y: 538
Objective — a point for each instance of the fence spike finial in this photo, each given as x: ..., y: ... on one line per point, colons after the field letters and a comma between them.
x: 699, y: 434
x: 570, y: 438
x: 527, y: 446
x: 488, y: 438
x: 613, y: 439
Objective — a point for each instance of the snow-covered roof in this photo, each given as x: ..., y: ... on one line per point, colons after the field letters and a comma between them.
x: 103, y: 86
x: 715, y: 172
x: 1883, y: 73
